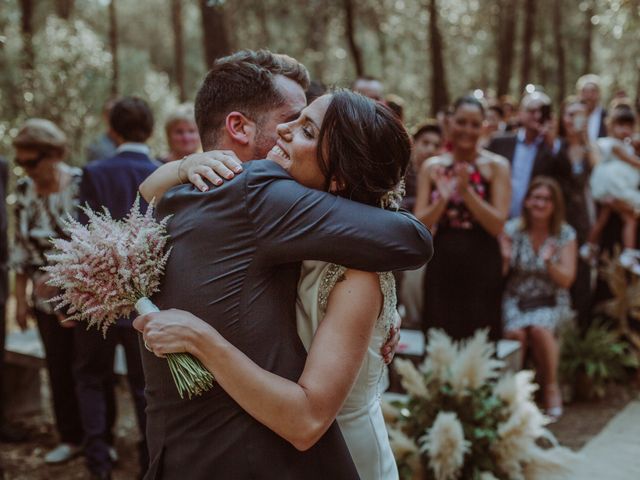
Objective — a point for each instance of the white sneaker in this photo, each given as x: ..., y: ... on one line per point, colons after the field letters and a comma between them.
x: 62, y: 453
x: 113, y: 455
x: 629, y: 257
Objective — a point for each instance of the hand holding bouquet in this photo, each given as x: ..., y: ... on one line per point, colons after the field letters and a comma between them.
x: 108, y: 269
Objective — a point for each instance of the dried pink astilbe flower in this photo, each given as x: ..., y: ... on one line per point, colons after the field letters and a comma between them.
x: 108, y: 265
x: 109, y: 268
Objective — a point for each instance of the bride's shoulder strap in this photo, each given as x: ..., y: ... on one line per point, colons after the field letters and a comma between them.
x: 332, y: 275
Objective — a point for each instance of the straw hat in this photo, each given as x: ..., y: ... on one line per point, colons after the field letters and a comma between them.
x: 40, y: 134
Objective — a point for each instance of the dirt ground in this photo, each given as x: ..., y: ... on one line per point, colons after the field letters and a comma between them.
x: 24, y: 461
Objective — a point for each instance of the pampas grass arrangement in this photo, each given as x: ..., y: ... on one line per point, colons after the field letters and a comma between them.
x: 465, y: 420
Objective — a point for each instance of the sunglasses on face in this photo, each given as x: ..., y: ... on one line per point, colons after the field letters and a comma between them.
x: 30, y: 163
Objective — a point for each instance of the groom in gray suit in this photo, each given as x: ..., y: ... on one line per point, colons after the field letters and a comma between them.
x: 235, y: 264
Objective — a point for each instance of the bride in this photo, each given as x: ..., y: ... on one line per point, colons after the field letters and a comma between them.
x: 354, y: 148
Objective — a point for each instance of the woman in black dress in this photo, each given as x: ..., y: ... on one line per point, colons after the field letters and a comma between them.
x: 575, y: 157
x: 464, y: 197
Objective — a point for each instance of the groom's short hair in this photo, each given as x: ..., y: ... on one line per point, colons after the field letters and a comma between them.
x: 243, y: 82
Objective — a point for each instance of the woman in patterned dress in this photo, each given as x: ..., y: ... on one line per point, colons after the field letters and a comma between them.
x: 47, y: 193
x: 464, y: 197
x: 344, y: 316
x: 539, y: 252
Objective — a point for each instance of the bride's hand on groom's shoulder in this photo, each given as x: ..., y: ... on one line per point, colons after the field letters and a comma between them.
x: 169, y: 331
x: 216, y: 166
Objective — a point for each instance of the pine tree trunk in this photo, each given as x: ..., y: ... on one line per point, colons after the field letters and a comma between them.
x: 560, y: 54
x: 350, y: 31
x: 178, y: 47
x: 64, y: 8
x: 214, y: 27
x: 319, y: 17
x: 588, y: 39
x: 113, y: 44
x: 527, y: 41
x: 26, y: 29
x: 265, y: 33
x: 506, y: 44
x: 439, y: 93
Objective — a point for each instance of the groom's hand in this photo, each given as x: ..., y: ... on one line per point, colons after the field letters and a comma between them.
x: 214, y: 166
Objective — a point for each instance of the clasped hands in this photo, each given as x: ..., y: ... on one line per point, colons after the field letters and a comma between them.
x: 447, y: 184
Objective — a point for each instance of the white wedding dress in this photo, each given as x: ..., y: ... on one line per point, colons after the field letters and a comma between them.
x: 360, y: 418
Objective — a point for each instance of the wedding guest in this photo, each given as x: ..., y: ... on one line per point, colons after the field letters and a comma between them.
x: 589, y: 92
x: 493, y: 124
x: 464, y: 196
x: 396, y: 104
x: 510, y: 111
x: 443, y: 117
x: 316, y: 89
x: 104, y: 146
x: 182, y: 133
x: 575, y: 157
x: 113, y: 183
x: 369, y: 87
x: 8, y: 431
x: 614, y: 184
x: 528, y: 149
x: 427, y: 143
x: 44, y: 197
x: 539, y: 252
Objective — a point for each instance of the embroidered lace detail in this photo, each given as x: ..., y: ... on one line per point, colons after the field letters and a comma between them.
x: 335, y: 273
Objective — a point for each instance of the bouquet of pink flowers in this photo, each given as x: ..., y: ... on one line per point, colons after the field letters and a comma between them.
x: 108, y: 269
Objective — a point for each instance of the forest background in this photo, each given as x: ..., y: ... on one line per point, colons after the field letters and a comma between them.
x: 62, y: 59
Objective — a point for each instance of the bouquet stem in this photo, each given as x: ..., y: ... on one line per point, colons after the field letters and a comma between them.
x: 189, y: 374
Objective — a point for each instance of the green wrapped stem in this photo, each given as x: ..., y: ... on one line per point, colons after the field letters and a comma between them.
x: 189, y: 374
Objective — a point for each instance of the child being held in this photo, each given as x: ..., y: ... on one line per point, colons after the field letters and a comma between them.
x: 614, y: 185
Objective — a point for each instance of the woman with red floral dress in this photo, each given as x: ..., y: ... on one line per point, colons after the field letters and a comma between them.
x: 464, y: 197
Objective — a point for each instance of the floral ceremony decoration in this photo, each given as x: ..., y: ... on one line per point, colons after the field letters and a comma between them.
x: 465, y: 419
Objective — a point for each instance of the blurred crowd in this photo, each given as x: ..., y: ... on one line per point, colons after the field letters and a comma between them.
x: 521, y: 199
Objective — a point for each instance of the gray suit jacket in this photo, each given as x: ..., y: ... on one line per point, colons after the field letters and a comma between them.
x: 235, y: 264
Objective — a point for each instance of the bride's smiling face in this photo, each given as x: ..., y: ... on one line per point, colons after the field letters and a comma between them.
x: 296, y: 149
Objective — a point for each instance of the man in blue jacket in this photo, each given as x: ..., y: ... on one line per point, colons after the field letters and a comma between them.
x: 113, y: 183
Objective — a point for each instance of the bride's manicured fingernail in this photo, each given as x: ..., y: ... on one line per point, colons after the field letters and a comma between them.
x: 218, y: 182
x: 204, y: 189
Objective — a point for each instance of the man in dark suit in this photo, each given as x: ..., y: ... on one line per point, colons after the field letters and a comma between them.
x: 588, y: 88
x: 113, y: 183
x: 235, y: 264
x: 527, y: 149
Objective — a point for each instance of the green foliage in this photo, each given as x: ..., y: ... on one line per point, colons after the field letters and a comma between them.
x: 479, y: 411
x: 596, y: 358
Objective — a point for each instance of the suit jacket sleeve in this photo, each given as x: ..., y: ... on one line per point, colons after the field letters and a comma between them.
x: 295, y: 223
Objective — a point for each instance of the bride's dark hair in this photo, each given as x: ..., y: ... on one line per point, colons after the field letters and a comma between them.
x: 363, y: 146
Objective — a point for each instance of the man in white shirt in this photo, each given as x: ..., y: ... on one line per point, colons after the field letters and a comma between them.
x: 588, y: 87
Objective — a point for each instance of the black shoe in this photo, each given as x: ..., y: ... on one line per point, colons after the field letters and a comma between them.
x: 13, y: 434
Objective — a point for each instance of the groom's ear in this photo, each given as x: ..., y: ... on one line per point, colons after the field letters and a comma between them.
x: 240, y: 129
